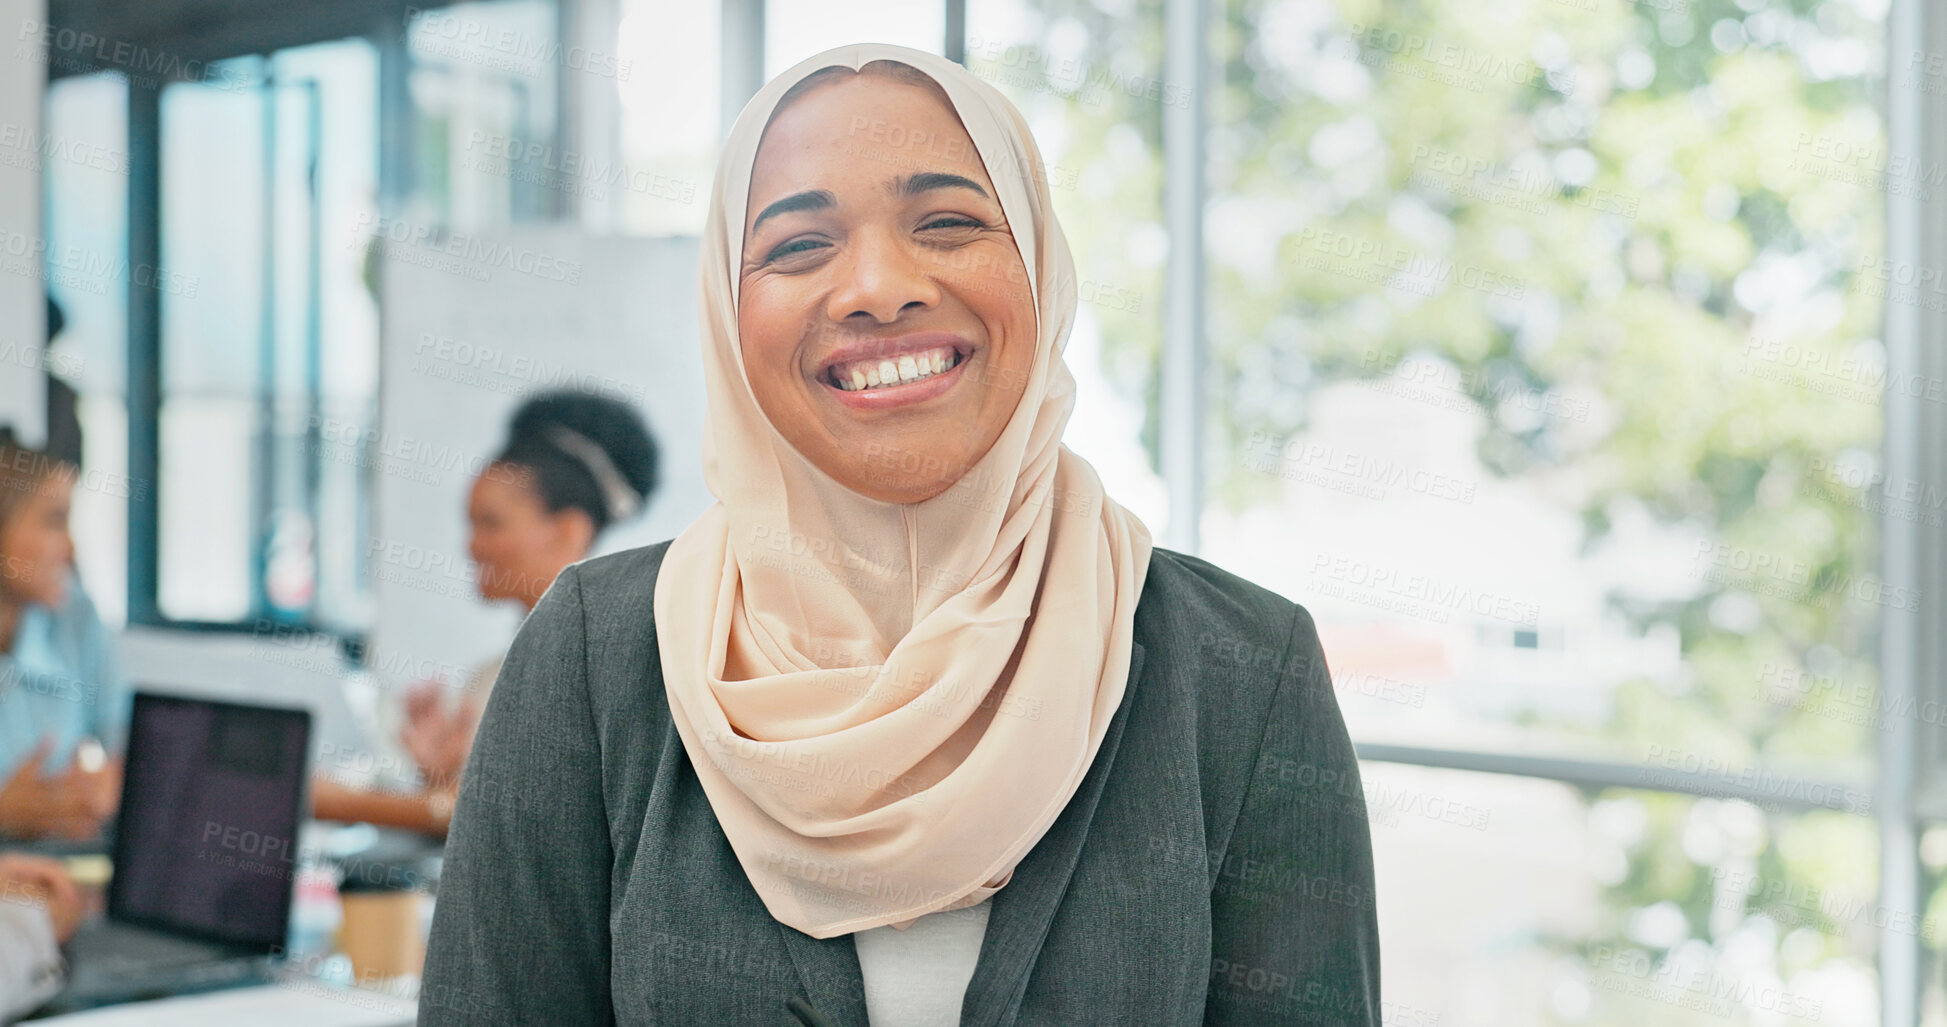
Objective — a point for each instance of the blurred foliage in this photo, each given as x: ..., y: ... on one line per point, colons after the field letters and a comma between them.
x: 1659, y: 209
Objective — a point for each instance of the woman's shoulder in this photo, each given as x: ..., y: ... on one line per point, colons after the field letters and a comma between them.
x: 1244, y: 651
x: 625, y: 576
x: 616, y: 594
x: 1193, y: 600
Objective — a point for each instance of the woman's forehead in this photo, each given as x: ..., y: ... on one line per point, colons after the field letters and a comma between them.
x: 865, y: 130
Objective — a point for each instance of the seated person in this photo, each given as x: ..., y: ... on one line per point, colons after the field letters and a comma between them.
x: 62, y: 696
x: 39, y: 911
x: 573, y: 465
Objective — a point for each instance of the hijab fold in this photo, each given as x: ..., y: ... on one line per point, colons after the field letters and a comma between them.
x: 888, y: 704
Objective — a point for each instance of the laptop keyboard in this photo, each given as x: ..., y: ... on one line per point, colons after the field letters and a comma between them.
x: 119, y: 948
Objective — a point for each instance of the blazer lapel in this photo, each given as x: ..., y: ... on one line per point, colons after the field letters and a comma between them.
x: 1019, y: 914
x: 1017, y: 919
x: 830, y: 970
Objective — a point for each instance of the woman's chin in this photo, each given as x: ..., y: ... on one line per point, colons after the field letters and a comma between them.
x: 894, y: 486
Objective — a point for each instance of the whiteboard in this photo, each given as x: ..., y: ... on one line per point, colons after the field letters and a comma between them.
x: 472, y: 325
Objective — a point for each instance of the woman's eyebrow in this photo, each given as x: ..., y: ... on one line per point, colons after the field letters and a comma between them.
x: 923, y: 181
x: 816, y: 199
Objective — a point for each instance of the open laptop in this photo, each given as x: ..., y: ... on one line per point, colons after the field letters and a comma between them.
x: 205, y: 852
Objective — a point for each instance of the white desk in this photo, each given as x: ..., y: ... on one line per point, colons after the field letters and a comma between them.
x: 299, y: 1004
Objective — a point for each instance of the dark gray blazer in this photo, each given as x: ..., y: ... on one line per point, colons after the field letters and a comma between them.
x: 1215, y: 866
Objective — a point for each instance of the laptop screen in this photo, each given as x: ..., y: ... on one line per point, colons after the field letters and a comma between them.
x: 206, y: 838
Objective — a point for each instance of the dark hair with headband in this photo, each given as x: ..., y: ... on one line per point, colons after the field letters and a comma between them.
x: 589, y: 453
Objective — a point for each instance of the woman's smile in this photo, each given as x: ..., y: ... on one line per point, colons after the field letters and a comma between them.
x: 885, y: 374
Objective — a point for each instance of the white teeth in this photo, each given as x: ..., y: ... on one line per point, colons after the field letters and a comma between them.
x: 906, y: 367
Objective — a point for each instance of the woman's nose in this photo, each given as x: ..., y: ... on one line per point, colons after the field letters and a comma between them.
x: 880, y: 277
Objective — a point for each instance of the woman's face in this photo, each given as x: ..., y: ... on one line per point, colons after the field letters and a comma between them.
x: 519, y: 545
x: 35, y: 548
x: 886, y: 318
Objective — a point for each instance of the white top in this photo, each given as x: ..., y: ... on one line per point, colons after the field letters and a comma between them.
x: 30, y: 961
x: 480, y: 683
x: 918, y: 976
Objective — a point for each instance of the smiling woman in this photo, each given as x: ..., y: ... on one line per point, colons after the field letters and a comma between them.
x: 868, y: 304
x: 914, y: 726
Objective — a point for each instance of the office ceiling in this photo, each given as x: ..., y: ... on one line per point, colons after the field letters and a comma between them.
x: 150, y: 37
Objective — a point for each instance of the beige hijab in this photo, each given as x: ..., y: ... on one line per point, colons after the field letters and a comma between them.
x: 888, y: 704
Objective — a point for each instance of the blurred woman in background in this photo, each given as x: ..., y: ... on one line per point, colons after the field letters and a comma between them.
x: 63, y: 701
x: 574, y: 464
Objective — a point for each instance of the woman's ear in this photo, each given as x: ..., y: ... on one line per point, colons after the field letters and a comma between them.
x: 575, y: 529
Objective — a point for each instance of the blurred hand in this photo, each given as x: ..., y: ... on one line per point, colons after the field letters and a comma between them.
x: 99, y: 787
x: 330, y: 800
x: 44, y: 883
x: 438, y: 737
x: 73, y: 805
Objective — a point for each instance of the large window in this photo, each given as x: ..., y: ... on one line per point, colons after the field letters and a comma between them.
x: 1545, y: 366
x: 267, y: 341
x: 1551, y: 383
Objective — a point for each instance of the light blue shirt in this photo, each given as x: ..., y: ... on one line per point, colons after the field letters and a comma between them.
x: 62, y: 682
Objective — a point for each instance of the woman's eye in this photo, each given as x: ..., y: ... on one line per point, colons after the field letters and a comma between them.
x: 794, y: 247
x: 953, y: 221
